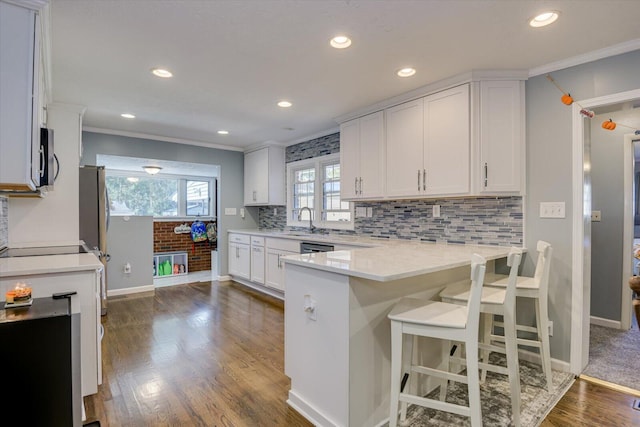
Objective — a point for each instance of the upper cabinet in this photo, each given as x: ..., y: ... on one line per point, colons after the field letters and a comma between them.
x: 465, y: 140
x: 428, y: 145
x: 362, y: 157
x: 264, y: 177
x: 19, y: 103
x: 501, y: 140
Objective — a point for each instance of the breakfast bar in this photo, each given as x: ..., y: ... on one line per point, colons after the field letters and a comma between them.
x: 337, y: 335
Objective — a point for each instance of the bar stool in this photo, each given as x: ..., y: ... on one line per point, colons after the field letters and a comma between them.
x: 414, y: 317
x: 496, y: 301
x: 537, y: 288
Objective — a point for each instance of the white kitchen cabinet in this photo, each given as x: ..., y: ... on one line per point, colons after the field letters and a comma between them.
x: 239, y: 256
x: 362, y: 157
x: 257, y: 259
x: 276, y: 249
x: 19, y: 103
x: 428, y: 145
x: 501, y: 141
x: 264, y: 177
x: 87, y: 302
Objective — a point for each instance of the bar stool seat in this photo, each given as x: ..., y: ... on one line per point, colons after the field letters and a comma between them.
x: 536, y: 288
x: 412, y: 317
x: 496, y: 301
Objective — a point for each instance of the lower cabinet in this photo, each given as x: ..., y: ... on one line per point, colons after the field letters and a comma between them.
x: 275, y: 268
x: 257, y: 259
x: 240, y: 260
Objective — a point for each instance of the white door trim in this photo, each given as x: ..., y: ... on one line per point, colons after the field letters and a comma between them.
x: 581, y: 221
x: 627, y: 236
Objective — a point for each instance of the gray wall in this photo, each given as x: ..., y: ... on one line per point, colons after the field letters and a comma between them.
x: 230, y: 182
x: 549, y: 170
x: 130, y: 240
x: 4, y: 221
x: 607, y: 181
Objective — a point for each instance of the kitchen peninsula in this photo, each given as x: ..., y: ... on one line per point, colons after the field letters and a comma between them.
x: 337, y: 335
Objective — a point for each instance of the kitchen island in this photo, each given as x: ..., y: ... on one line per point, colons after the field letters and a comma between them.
x: 337, y: 335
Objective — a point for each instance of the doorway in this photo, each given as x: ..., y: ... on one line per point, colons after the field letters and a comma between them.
x: 581, y: 262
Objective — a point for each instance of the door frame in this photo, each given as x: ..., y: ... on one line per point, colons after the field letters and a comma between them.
x: 581, y: 232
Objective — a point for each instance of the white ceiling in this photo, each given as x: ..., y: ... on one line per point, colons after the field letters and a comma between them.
x: 234, y: 59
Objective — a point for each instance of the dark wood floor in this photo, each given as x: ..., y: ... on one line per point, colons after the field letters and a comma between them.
x: 210, y: 354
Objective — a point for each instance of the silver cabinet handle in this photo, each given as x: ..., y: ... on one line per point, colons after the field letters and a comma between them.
x: 355, y: 184
x: 360, y: 186
x: 418, y: 179
x: 279, y: 264
x: 486, y: 175
x: 255, y: 196
x: 424, y: 179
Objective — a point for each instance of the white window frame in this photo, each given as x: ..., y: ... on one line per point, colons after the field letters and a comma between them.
x: 317, y: 163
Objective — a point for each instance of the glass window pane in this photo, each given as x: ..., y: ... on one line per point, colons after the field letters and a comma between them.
x: 197, y: 198
x: 144, y: 196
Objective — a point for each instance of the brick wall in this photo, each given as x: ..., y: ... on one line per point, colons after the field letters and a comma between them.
x: 166, y: 240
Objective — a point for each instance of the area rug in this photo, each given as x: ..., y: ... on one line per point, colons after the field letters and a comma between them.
x: 613, y: 355
x: 537, y: 402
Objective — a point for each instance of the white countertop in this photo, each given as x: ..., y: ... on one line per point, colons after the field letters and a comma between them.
x: 32, y: 265
x: 383, y: 259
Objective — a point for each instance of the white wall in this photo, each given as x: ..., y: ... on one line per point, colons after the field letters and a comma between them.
x: 53, y: 219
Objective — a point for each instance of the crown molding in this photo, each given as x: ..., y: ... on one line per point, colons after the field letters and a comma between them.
x: 618, y: 49
x: 160, y: 138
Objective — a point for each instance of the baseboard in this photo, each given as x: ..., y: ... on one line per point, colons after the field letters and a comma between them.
x: 307, y: 411
x: 265, y: 290
x: 128, y: 291
x: 556, y: 365
x: 607, y: 323
x: 225, y: 278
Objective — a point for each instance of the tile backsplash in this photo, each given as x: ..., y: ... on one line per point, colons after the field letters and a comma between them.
x: 479, y: 220
x: 4, y: 221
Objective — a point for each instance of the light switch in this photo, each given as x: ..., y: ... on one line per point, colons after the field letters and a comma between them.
x: 361, y: 212
x: 230, y: 211
x: 552, y: 210
x: 369, y: 212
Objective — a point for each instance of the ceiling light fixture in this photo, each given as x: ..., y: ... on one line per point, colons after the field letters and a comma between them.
x: 406, y: 72
x: 543, y: 19
x: 284, y: 104
x: 223, y: 132
x: 152, y: 170
x: 160, y: 72
x: 128, y: 116
x: 133, y: 179
x: 340, y: 42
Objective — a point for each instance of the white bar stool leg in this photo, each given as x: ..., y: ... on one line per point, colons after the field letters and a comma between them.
x: 543, y: 335
x: 409, y: 343
x: 396, y: 372
x: 487, y: 323
x: 473, y: 383
x: 513, y: 367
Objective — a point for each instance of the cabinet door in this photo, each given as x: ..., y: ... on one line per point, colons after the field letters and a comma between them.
x: 239, y: 260
x: 257, y: 264
x: 349, y: 159
x: 19, y: 65
x: 404, y: 149
x: 446, y: 142
x: 256, y: 173
x: 371, y: 153
x: 275, y: 269
x: 501, y: 137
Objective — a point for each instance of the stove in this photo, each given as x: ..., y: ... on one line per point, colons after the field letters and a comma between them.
x: 43, y: 250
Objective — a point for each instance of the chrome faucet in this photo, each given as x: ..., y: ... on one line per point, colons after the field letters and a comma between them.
x: 311, y: 226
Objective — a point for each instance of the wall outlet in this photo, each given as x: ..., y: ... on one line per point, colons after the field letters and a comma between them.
x: 275, y: 211
x: 361, y: 212
x: 369, y: 212
x: 596, y: 216
x: 127, y: 268
x: 436, y: 211
x: 550, y: 328
x: 242, y: 213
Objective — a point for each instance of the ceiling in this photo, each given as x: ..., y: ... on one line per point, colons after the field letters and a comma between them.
x: 233, y: 60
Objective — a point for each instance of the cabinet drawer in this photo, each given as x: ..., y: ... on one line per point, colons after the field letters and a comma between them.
x: 257, y: 241
x: 284, y: 245
x: 239, y: 238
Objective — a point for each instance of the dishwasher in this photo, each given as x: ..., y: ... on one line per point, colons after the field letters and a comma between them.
x: 311, y: 247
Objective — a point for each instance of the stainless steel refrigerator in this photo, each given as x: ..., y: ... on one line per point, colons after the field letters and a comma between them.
x: 94, y: 218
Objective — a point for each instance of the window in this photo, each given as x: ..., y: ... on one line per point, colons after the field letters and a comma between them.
x: 160, y: 196
x: 315, y: 184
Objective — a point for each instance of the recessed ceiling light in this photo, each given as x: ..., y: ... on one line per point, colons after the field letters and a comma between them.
x: 152, y: 170
x: 406, y: 72
x: 160, y: 72
x: 128, y: 116
x: 284, y: 104
x: 340, y: 42
x: 543, y: 19
x: 223, y: 132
